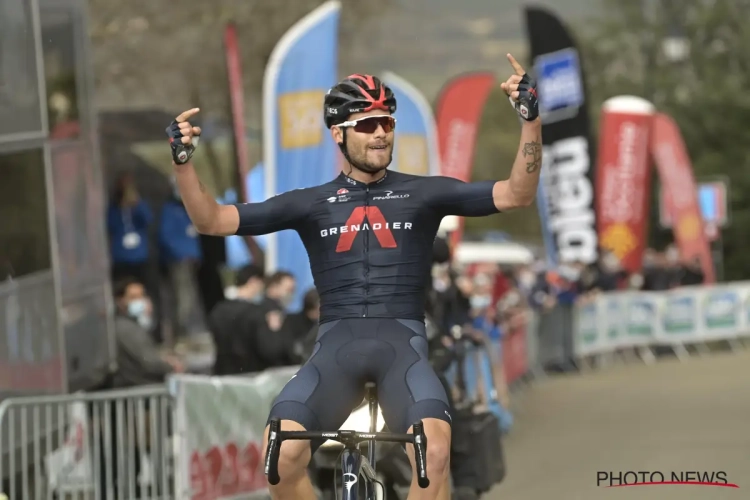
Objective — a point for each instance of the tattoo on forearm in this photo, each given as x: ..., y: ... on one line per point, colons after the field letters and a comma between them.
x: 202, y: 187
x: 532, y: 151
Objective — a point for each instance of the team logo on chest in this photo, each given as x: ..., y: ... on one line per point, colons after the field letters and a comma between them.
x: 367, y: 218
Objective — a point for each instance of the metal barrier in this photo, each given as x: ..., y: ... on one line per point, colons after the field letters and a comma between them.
x: 31, y: 354
x: 98, y: 446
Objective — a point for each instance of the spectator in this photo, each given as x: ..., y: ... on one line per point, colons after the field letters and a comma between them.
x: 297, y: 327
x: 526, y: 279
x: 673, y: 266
x: 139, y: 361
x: 128, y: 221
x: 276, y: 337
x: 692, y: 273
x: 656, y: 276
x: 481, y: 296
x: 300, y: 323
x: 280, y: 288
x: 234, y: 325
x: 566, y: 289
x: 544, y: 296
x: 180, y: 252
x: 609, y: 272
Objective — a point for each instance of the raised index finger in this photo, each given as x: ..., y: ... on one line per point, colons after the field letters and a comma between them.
x: 186, y: 115
x: 516, y: 65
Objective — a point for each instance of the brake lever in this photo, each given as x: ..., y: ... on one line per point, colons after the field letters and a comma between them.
x: 272, y: 452
x: 420, y: 454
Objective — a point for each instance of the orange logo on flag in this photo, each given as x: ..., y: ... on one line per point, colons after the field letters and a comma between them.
x: 688, y: 227
x: 619, y: 238
x: 411, y: 155
x: 301, y: 119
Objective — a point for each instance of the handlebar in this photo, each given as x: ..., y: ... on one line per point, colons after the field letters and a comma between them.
x: 348, y: 438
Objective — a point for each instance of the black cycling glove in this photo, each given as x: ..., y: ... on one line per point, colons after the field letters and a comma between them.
x: 181, y: 153
x: 527, y: 104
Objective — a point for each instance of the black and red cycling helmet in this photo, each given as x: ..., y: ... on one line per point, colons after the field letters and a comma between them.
x: 356, y: 94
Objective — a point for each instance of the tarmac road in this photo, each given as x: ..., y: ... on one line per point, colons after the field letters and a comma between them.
x: 671, y: 416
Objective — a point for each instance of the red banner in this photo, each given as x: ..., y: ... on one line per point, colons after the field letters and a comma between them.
x: 237, y: 99
x: 681, y: 194
x: 227, y: 472
x: 459, y: 110
x: 622, y: 178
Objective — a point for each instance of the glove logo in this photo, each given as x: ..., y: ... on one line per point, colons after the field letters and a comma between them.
x: 182, y: 156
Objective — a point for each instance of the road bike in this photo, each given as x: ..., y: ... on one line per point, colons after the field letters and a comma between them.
x: 358, y: 477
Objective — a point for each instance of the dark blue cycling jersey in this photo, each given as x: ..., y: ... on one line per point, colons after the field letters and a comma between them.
x: 370, y: 245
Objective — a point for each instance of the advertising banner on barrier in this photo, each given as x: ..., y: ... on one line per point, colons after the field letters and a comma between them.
x: 69, y: 467
x: 589, y: 336
x: 680, y: 192
x: 565, y: 196
x: 680, y: 317
x: 220, y: 423
x: 687, y: 315
x: 622, y: 178
x: 722, y: 312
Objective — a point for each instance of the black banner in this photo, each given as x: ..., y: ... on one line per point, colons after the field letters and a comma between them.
x: 566, y: 192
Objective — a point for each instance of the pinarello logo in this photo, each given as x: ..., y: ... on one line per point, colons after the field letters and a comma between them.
x: 342, y: 191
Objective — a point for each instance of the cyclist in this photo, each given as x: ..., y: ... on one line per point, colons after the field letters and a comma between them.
x: 369, y: 236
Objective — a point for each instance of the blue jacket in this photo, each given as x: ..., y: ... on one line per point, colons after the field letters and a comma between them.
x: 178, y: 239
x: 122, y: 222
x: 492, y: 331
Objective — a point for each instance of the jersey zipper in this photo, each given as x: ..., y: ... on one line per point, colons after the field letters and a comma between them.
x: 367, y: 253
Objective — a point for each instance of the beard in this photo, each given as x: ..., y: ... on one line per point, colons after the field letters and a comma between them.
x: 370, y: 168
x: 361, y: 162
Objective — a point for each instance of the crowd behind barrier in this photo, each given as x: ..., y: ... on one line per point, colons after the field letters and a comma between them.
x: 199, y: 437
x: 679, y: 318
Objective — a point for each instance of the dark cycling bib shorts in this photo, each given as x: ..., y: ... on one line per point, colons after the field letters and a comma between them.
x: 370, y: 248
x: 348, y: 354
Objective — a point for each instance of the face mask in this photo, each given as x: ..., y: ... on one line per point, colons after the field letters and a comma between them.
x: 440, y: 285
x: 527, y: 280
x: 636, y: 281
x: 137, y: 309
x: 255, y: 299
x: 480, y: 301
x: 611, y: 262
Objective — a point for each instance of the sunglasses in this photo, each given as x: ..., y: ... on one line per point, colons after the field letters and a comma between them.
x: 369, y: 124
